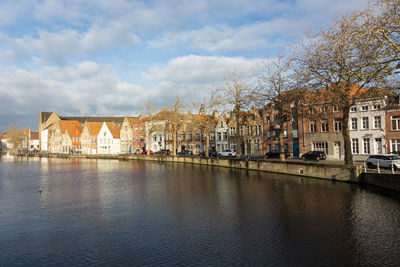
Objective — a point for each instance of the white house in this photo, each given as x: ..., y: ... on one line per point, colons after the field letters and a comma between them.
x: 221, y: 134
x: 157, y: 135
x: 108, y: 139
x: 367, y: 127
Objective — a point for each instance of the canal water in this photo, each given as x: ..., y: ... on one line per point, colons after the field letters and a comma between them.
x: 69, y: 212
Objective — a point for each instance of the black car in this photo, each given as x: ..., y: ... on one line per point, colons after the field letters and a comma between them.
x: 276, y: 154
x: 317, y: 155
x: 185, y: 153
x: 211, y: 153
x: 163, y: 152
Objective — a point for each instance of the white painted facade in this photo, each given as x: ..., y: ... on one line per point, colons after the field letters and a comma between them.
x: 106, y: 143
x: 157, y: 136
x: 221, y: 135
x: 367, y: 127
x: 44, y: 138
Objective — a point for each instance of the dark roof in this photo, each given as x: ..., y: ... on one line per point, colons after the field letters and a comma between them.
x: 34, y: 135
x: 45, y: 116
x: 93, y: 119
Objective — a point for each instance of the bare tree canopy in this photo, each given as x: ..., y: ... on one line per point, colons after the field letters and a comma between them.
x: 351, y: 55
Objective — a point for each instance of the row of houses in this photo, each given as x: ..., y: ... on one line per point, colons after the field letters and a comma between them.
x: 29, y: 141
x: 374, y: 126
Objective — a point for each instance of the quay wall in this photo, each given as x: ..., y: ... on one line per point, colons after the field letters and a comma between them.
x: 334, y: 172
x: 384, y: 180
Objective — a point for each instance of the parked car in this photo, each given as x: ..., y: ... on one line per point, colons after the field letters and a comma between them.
x: 317, y: 155
x: 163, y: 152
x: 211, y: 153
x: 276, y: 154
x: 145, y: 152
x: 385, y: 161
x: 227, y: 153
x: 185, y: 153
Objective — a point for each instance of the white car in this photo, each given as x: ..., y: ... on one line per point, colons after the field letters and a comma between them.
x: 385, y: 161
x: 227, y: 153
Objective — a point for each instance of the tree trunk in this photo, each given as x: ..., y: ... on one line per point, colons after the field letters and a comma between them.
x: 174, y: 137
x: 348, y: 156
x: 148, y: 148
x: 237, y: 137
x: 206, y: 153
x: 281, y: 146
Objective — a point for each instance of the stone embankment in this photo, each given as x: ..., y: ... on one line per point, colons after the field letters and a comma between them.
x: 335, y: 172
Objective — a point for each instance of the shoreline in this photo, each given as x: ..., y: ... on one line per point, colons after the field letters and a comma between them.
x: 333, y: 172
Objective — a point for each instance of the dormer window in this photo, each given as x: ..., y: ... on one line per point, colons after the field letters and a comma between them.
x: 353, y: 109
x: 377, y: 107
x: 364, y: 108
x: 105, y: 134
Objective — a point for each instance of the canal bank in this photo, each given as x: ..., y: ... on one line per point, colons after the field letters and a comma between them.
x: 333, y: 172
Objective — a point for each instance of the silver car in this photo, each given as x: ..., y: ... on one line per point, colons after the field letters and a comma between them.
x: 384, y: 161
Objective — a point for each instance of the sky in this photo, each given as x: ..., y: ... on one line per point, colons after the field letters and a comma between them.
x: 109, y: 57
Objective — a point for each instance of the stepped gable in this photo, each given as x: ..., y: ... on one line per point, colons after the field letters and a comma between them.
x: 82, y: 120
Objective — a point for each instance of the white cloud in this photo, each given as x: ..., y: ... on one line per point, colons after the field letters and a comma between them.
x: 84, y: 89
x: 189, y: 72
x: 59, y: 46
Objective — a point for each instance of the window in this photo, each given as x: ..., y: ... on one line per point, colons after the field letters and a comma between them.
x: 275, y: 134
x: 320, y: 146
x: 257, y: 144
x: 250, y: 130
x: 354, y: 146
x: 105, y: 134
x: 365, y: 123
x: 353, y: 109
x: 277, y: 147
x: 395, y: 145
x: 364, y: 108
x: 212, y: 135
x: 285, y: 134
x: 126, y: 128
x: 258, y: 130
x: 354, y: 124
x: 190, y: 137
x: 268, y: 147
x: 268, y: 134
x: 377, y: 106
x: 377, y: 122
x: 325, y: 109
x: 221, y: 124
x: 286, y: 147
x: 218, y: 136
x: 155, y: 138
x: 335, y: 109
x: 324, y: 126
x: 241, y: 130
x: 366, y: 146
x: 313, y: 126
x: 268, y: 119
x: 395, y: 123
x: 225, y: 135
x: 232, y: 132
x: 337, y: 125
x: 233, y: 146
x: 183, y: 137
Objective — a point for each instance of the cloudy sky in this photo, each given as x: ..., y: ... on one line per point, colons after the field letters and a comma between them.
x: 107, y: 57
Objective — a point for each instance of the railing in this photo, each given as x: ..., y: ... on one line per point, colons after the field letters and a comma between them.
x: 393, y: 169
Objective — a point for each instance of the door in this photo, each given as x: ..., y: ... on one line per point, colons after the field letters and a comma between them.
x: 296, y: 152
x: 336, y: 150
x: 378, y: 145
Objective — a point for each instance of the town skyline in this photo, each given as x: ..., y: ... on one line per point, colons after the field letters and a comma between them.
x: 100, y: 59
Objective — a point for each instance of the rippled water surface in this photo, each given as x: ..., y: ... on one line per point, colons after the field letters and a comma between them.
x: 106, y: 212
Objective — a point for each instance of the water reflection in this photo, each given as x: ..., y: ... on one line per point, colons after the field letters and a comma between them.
x: 150, y: 213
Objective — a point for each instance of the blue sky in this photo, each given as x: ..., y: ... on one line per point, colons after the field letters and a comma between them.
x: 103, y: 57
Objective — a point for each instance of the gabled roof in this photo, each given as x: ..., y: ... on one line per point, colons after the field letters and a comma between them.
x: 94, y: 127
x: 45, y: 116
x: 71, y: 126
x: 34, y: 135
x: 93, y: 119
x: 115, y: 131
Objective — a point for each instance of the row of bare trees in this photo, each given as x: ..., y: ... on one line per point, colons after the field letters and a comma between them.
x: 361, y: 49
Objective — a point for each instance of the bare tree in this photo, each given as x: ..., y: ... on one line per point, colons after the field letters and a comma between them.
x: 276, y: 89
x: 152, y: 123
x: 340, y: 64
x: 237, y: 96
x: 176, y: 121
x: 205, y: 121
x: 16, y: 137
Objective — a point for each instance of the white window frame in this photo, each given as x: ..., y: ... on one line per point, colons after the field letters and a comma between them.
x: 377, y: 122
x: 354, y: 124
